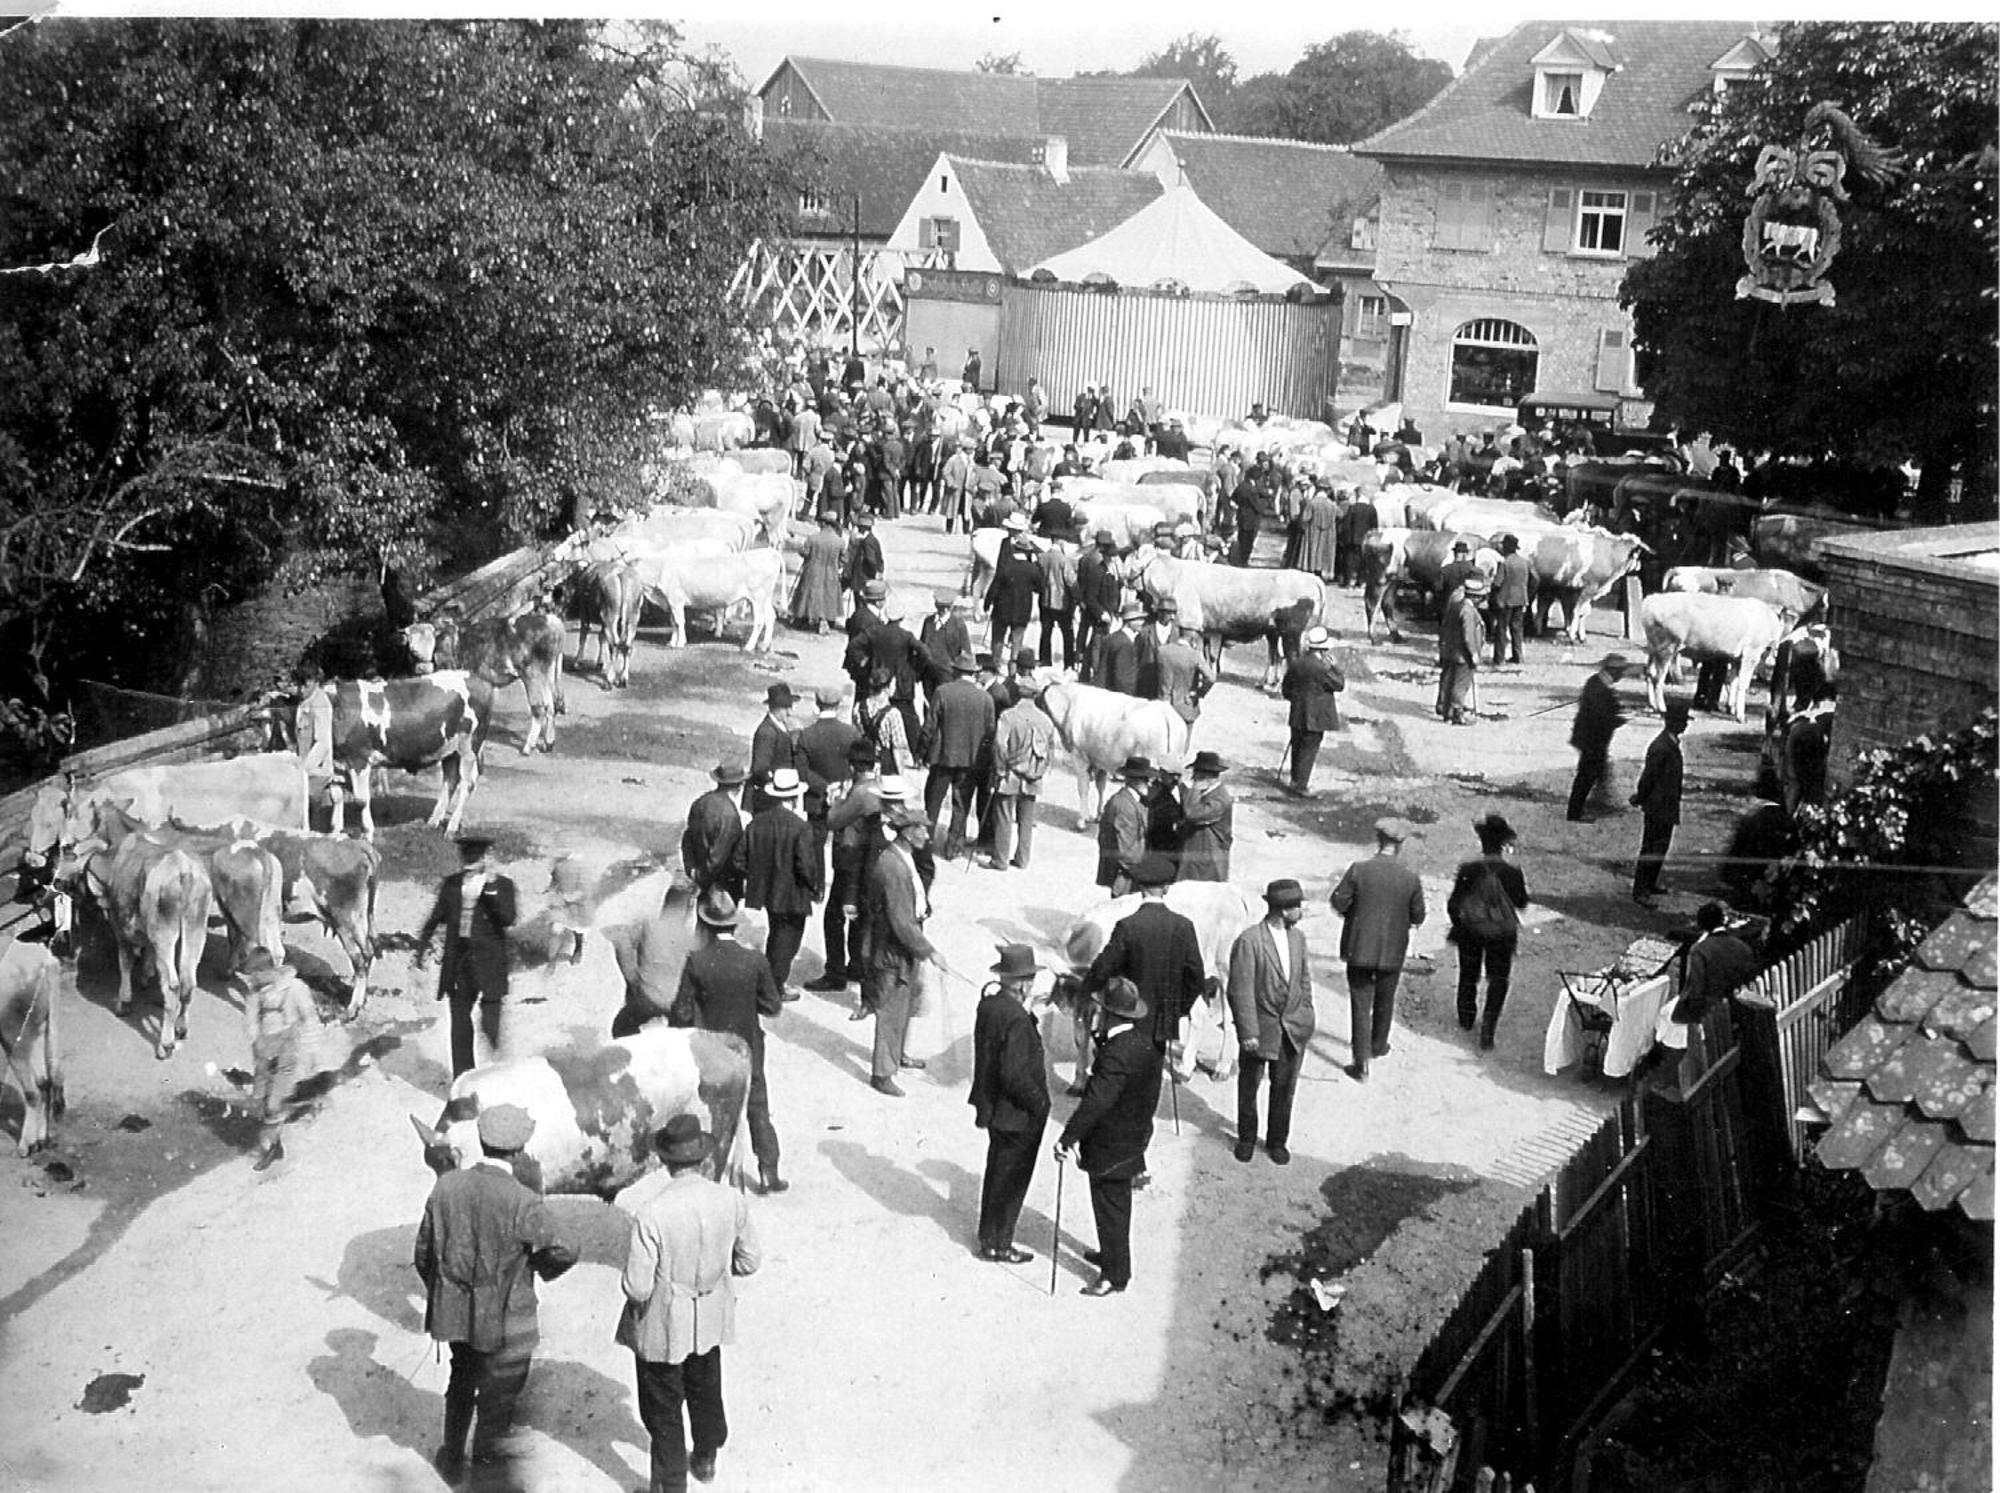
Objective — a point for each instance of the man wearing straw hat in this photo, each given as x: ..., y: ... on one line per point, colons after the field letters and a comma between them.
x: 726, y: 988
x: 1009, y: 1098
x: 782, y: 872
x: 689, y: 1241
x: 1111, y: 1128
x: 1270, y: 996
x: 483, y: 1240
x: 892, y: 935
x: 1313, y: 682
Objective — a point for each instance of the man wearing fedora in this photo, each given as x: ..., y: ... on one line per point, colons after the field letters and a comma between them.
x: 1513, y: 583
x: 1156, y: 948
x: 475, y: 908
x: 962, y: 720
x: 689, y: 1242
x: 1487, y: 897
x: 279, y: 1017
x: 483, y: 1240
x: 1598, y: 717
x: 894, y: 648
x: 864, y: 555
x: 1658, y: 795
x: 714, y: 829
x: 845, y: 826
x: 1461, y: 635
x: 1009, y: 1098
x: 1112, y: 1126
x: 726, y: 988
x: 774, y: 744
x: 1270, y: 997
x: 1117, y: 667
x: 1024, y: 747
x: 1312, y: 683
x: 1099, y: 593
x: 1206, y: 822
x: 897, y: 905
x: 1455, y: 570
x: 782, y: 873
x: 1121, y: 827
x: 1379, y: 901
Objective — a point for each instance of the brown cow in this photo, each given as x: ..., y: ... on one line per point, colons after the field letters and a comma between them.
x: 158, y: 899
x: 619, y: 595
x: 527, y: 647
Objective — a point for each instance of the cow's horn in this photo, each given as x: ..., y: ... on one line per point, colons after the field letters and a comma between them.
x: 425, y: 1134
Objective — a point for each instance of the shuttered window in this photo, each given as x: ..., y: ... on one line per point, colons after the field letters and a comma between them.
x: 1560, y: 222
x: 1465, y: 215
x: 1639, y: 223
x: 1614, y: 361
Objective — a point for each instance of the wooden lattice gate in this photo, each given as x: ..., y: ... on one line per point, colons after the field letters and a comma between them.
x: 808, y: 288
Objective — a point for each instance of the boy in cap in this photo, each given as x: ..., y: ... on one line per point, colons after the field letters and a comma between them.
x: 1658, y: 795
x: 1379, y: 901
x: 483, y: 1240
x: 279, y: 1016
x: 1270, y: 996
x: 1009, y: 1098
x: 475, y: 908
x: 689, y: 1241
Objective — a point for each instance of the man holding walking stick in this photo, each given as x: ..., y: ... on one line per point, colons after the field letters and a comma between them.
x: 1010, y: 1100
x: 1111, y: 1129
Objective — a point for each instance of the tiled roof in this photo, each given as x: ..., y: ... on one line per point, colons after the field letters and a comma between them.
x: 1028, y: 216
x: 1910, y: 1089
x: 1104, y: 119
x: 1484, y: 114
x: 1287, y: 197
x: 920, y: 98
x: 884, y: 167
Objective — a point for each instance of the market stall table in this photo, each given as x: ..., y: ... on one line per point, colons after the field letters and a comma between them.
x: 1631, y: 998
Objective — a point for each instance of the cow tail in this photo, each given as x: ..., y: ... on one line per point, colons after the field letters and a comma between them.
x: 271, y: 915
x: 52, y: 1063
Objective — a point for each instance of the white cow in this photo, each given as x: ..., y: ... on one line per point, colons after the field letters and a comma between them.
x: 679, y: 580
x: 766, y: 497
x: 1441, y: 509
x: 1176, y: 501
x: 1226, y: 604
x: 1779, y: 590
x: 1219, y: 912
x: 1704, y: 626
x: 1100, y: 728
x: 30, y: 986
x: 723, y: 431
x: 667, y: 526
x: 1129, y: 524
x: 266, y: 788
x: 1132, y: 468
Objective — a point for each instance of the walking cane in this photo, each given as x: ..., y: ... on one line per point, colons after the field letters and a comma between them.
x: 1174, y: 1096
x: 1055, y: 1238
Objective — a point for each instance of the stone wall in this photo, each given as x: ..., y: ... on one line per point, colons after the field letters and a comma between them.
x: 1916, y: 620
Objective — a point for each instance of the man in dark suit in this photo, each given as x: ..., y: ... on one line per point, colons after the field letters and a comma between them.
x: 1270, y: 996
x: 774, y: 744
x: 943, y: 638
x: 1598, y: 718
x: 782, y: 875
x: 726, y: 988
x: 1658, y: 796
x: 475, y: 909
x: 1154, y: 947
x: 714, y: 827
x: 1010, y: 1100
x: 864, y: 556
x: 1111, y: 1128
x: 1098, y: 594
x: 1312, y: 683
x: 823, y: 760
x: 862, y: 622
x: 1121, y: 828
x: 892, y: 647
x: 1118, y: 655
x: 1379, y: 900
x: 483, y: 1240
x: 894, y: 945
x: 853, y: 823
x: 962, y: 718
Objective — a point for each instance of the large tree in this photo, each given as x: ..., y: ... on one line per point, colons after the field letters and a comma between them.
x: 1902, y: 366
x: 1340, y: 91
x: 1200, y: 58
x: 363, y: 289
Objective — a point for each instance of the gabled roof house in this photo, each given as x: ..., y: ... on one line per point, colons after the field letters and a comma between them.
x: 998, y: 215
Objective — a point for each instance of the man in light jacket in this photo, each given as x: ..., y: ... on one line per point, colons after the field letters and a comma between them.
x: 689, y: 1240
x: 1270, y: 995
x: 1024, y: 745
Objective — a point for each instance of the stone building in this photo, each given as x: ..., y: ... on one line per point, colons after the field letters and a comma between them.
x: 1513, y: 202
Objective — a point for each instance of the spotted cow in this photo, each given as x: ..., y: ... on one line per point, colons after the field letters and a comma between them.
x: 410, y: 724
x: 596, y: 1111
x: 500, y: 650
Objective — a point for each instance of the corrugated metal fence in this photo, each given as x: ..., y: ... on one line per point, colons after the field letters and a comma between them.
x: 1204, y: 355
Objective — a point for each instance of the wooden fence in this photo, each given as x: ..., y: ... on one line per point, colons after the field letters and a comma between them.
x: 1646, y: 1213
x: 1798, y: 1008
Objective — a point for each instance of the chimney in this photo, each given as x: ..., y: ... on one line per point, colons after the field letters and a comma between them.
x: 753, y: 116
x: 1052, y: 155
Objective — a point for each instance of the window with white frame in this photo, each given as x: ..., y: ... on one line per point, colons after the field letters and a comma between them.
x: 811, y: 201
x: 1492, y: 364
x: 1562, y: 95
x: 1371, y: 316
x: 1600, y: 222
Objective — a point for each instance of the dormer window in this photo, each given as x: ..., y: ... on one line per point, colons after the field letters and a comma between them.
x: 1741, y: 61
x: 1570, y: 72
x: 1562, y: 94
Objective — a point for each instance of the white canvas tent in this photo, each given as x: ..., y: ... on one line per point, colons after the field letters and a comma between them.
x: 1175, y: 241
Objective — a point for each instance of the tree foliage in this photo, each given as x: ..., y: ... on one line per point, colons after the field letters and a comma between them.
x: 1200, y: 58
x: 364, y: 289
x: 1340, y: 91
x: 1006, y: 63
x: 1902, y: 366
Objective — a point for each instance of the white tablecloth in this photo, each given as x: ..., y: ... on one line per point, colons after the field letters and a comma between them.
x: 1634, y: 1028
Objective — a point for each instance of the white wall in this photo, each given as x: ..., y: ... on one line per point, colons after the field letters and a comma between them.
x: 940, y: 197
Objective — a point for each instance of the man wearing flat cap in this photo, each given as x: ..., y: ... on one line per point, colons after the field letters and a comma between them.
x: 1009, y: 1098
x: 864, y: 561
x: 1110, y: 1129
x: 1156, y: 948
x: 943, y: 638
x: 474, y: 908
x: 1658, y: 795
x: 714, y: 827
x: 857, y: 658
x: 689, y: 1242
x: 1379, y: 901
x: 1461, y: 636
x: 483, y: 1240
x: 1270, y: 996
